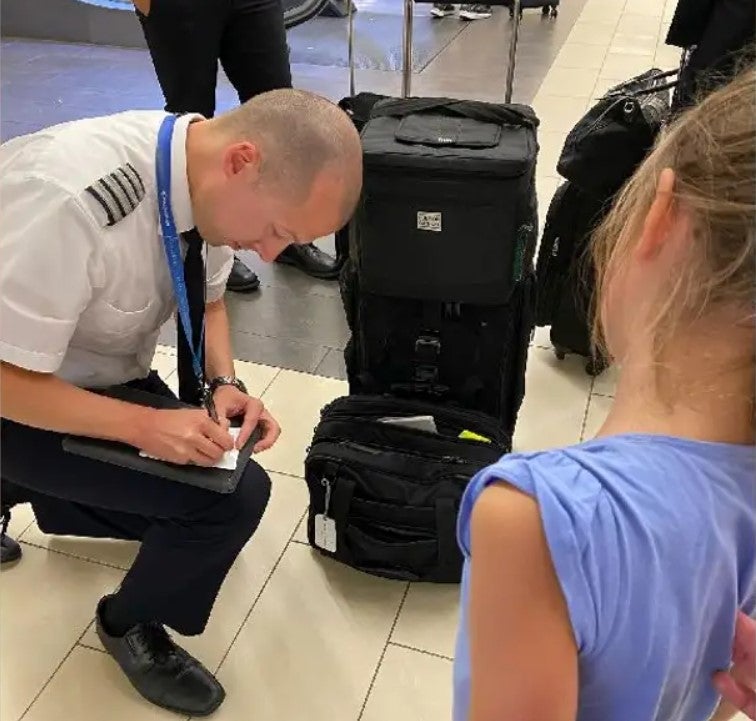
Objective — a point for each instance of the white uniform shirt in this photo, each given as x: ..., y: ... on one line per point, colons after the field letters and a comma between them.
x: 84, y: 282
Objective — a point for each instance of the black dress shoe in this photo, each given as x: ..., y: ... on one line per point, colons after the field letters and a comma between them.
x: 242, y: 278
x: 310, y: 259
x: 161, y: 671
x: 10, y: 550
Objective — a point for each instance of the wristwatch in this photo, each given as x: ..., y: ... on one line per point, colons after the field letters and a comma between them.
x: 219, y: 381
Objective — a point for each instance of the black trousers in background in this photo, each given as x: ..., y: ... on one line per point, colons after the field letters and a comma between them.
x: 190, y: 537
x: 188, y: 38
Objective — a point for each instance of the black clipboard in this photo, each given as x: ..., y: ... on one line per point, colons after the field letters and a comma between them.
x: 219, y: 480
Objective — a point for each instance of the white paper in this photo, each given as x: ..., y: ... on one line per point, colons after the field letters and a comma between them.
x: 421, y: 423
x: 228, y: 460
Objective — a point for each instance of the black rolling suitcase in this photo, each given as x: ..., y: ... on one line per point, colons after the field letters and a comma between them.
x: 600, y: 154
x: 439, y: 289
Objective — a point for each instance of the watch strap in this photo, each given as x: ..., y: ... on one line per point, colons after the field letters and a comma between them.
x: 219, y: 381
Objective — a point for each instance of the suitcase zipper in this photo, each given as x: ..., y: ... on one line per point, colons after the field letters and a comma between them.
x: 479, y: 421
x: 462, y: 477
x: 379, y: 450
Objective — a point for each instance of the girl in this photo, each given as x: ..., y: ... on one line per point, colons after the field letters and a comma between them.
x: 602, y: 581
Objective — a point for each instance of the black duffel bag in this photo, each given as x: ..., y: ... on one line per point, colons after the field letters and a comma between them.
x: 612, y: 139
x: 384, y: 497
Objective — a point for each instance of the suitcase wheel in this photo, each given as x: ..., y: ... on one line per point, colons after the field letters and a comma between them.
x: 560, y: 354
x: 595, y: 367
x: 549, y: 11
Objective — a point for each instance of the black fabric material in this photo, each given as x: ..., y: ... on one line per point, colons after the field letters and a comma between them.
x: 190, y: 537
x: 482, y: 350
x: 446, y: 222
x: 394, y: 491
x: 190, y: 387
x: 358, y: 107
x: 498, y: 114
x: 720, y: 36
x: 609, y: 142
x: 565, y: 269
x: 188, y: 38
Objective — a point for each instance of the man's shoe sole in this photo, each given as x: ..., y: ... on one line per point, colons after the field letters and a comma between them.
x: 244, y: 288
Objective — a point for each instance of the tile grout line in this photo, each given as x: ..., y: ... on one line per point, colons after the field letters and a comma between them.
x: 420, y: 650
x: 258, y: 596
x: 92, y: 561
x: 91, y: 648
x: 36, y: 698
x: 587, y: 410
x: 383, y: 653
x: 271, y: 382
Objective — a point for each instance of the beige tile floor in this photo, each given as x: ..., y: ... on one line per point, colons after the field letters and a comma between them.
x: 291, y: 636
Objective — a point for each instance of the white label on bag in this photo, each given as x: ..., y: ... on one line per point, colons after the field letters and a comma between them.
x: 325, y: 533
x: 429, y: 221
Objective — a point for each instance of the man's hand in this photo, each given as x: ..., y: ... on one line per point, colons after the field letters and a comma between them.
x: 230, y: 402
x: 738, y: 686
x: 186, y: 436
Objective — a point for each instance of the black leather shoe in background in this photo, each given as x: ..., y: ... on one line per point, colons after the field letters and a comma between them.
x: 161, y: 671
x: 242, y: 278
x: 311, y: 260
x: 10, y: 550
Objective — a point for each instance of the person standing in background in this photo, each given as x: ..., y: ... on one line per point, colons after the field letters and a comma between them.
x: 718, y: 37
x: 187, y: 39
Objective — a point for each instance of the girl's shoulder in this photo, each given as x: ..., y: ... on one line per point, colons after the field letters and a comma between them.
x: 623, y: 474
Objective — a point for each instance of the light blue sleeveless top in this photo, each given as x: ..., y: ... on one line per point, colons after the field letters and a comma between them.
x: 653, y: 541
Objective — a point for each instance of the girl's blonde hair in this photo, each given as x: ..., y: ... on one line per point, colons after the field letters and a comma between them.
x: 712, y: 150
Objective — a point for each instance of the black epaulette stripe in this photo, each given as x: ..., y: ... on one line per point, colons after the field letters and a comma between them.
x: 132, y: 201
x: 128, y: 179
x: 103, y: 203
x: 137, y: 176
x: 106, y: 186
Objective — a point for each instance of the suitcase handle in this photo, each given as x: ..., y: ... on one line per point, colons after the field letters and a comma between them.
x: 407, y: 48
x: 475, y: 110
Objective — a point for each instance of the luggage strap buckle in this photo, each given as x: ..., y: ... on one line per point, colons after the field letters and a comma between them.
x: 427, y: 349
x: 427, y: 353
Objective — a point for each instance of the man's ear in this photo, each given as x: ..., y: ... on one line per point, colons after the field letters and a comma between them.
x: 243, y: 157
x: 660, y: 217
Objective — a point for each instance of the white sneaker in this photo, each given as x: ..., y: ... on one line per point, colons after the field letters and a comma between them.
x: 442, y: 10
x: 475, y: 12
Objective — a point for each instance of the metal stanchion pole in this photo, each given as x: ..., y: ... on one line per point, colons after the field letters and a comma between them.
x: 512, y: 50
x: 350, y: 10
x: 407, y: 49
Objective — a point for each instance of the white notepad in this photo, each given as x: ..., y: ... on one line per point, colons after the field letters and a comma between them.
x: 227, y: 461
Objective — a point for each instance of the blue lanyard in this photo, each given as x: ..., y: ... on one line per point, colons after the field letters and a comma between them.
x: 171, y: 242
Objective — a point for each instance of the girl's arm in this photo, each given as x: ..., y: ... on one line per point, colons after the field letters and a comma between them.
x: 523, y: 654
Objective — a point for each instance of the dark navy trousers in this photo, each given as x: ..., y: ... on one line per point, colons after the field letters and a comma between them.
x: 189, y: 537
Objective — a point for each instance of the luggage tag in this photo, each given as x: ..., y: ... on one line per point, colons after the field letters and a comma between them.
x: 325, y: 527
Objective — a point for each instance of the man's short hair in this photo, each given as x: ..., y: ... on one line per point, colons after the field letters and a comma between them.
x: 300, y: 135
